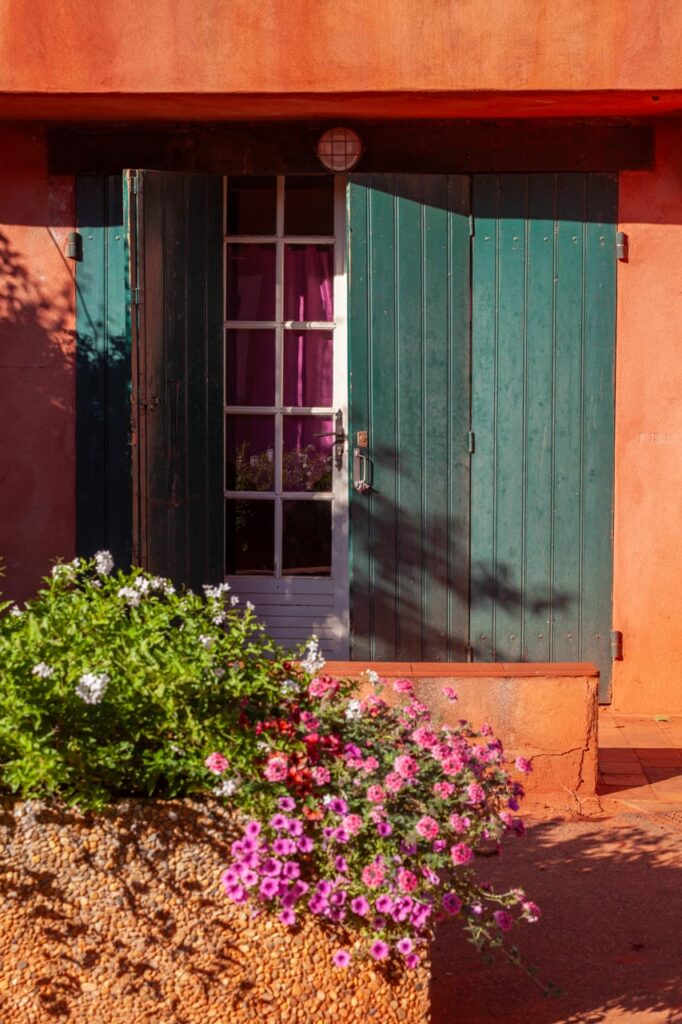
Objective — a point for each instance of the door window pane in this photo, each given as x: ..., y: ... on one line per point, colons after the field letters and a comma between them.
x: 307, y: 538
x: 250, y: 368
x: 251, y: 206
x: 308, y: 368
x: 250, y: 538
x: 249, y: 453
x: 309, y: 205
x: 250, y: 282
x: 307, y: 459
x: 309, y: 282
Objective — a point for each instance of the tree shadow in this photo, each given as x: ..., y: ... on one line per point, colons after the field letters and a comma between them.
x: 608, y: 936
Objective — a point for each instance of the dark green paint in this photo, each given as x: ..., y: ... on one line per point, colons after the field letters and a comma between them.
x: 409, y: 373
x: 543, y: 332
x: 176, y: 237
x: 103, y: 465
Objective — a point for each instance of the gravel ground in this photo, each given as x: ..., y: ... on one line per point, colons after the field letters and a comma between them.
x: 121, y: 919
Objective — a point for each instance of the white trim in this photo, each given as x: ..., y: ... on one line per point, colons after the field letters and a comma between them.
x: 294, y: 606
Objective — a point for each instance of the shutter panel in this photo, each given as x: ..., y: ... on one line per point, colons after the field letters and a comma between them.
x: 409, y: 388
x: 103, y: 470
x: 176, y: 237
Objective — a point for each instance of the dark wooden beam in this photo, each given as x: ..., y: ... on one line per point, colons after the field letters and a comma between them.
x: 454, y: 147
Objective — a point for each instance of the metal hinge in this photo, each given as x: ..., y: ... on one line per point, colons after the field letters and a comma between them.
x: 471, y: 440
x: 616, y: 645
x: 472, y: 230
x: 136, y: 184
x: 138, y: 296
x: 470, y: 653
x: 74, y: 246
x: 622, y: 246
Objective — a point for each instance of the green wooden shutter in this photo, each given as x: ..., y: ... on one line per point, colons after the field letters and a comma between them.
x: 543, y: 350
x: 103, y: 467
x: 409, y: 388
x: 176, y: 239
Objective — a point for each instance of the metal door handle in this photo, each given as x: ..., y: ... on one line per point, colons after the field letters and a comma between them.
x: 339, y: 436
x: 360, y: 472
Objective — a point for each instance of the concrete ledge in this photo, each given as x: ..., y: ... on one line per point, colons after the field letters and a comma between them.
x: 547, y: 713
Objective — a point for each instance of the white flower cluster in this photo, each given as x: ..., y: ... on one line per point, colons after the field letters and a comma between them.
x: 226, y: 787
x: 216, y: 593
x: 353, y: 710
x: 104, y: 562
x: 66, y: 570
x: 371, y: 676
x: 15, y: 610
x: 289, y: 686
x: 313, y: 663
x: 42, y: 670
x: 206, y: 641
x: 143, y: 586
x: 91, y: 687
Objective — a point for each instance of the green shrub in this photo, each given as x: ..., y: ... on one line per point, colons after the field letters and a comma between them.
x: 116, y: 685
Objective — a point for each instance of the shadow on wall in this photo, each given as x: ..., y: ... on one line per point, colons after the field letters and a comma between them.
x: 36, y: 419
x: 608, y: 937
x: 413, y: 562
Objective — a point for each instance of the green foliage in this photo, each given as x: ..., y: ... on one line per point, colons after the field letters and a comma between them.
x: 117, y: 685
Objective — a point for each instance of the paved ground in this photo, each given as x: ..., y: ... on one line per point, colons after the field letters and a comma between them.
x: 610, y: 886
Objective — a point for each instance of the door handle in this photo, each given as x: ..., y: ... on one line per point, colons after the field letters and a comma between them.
x: 360, y: 472
x: 339, y: 435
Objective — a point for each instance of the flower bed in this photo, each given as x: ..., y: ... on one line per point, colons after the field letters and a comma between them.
x: 359, y: 817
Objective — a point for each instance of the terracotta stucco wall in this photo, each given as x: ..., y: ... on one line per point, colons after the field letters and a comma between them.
x: 37, y: 433
x: 37, y: 415
x: 337, y: 46
x: 648, y: 509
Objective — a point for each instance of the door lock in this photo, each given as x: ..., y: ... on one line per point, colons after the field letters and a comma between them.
x: 339, y: 435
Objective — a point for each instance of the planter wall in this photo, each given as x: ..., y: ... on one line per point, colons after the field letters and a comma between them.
x: 121, y: 919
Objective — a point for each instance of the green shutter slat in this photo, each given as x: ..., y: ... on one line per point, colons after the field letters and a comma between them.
x: 598, y: 425
x: 408, y: 343
x: 484, y: 411
x: 543, y: 331
x: 177, y: 230
x: 537, y: 566
x: 103, y: 376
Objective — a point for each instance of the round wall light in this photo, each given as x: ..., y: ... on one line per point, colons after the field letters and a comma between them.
x: 339, y: 149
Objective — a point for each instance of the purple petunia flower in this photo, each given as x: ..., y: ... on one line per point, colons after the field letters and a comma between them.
x: 341, y: 958
x: 411, y: 961
x: 295, y: 827
x: 452, y: 903
x: 360, y: 906
x: 338, y: 898
x: 305, y: 844
x: 283, y: 847
x: 503, y: 920
x: 404, y: 946
x: 271, y: 866
x: 278, y: 822
x: 268, y: 888
x: 379, y: 950
x: 291, y: 870
x: 286, y: 803
x: 252, y: 829
x: 384, y: 828
x: 384, y: 904
x: 337, y: 805
x: 341, y: 864
x: 288, y: 917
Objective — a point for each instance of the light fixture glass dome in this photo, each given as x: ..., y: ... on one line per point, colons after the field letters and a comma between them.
x: 339, y: 149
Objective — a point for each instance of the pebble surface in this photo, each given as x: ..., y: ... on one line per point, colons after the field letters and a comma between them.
x: 120, y: 918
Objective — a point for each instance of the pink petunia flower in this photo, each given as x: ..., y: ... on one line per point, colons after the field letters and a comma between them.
x: 393, y: 782
x: 407, y: 880
x: 379, y: 950
x: 427, y: 827
x: 523, y: 765
x: 321, y: 775
x: 443, y: 789
x: 461, y: 854
x: 375, y: 795
x: 503, y: 920
x: 476, y: 793
x: 449, y: 693
x: 373, y: 875
x: 411, y: 961
x: 403, y: 686
x: 341, y: 958
x: 217, y: 763
x: 452, y: 903
x: 276, y: 769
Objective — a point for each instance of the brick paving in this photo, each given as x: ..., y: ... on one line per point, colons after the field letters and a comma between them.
x: 640, y: 758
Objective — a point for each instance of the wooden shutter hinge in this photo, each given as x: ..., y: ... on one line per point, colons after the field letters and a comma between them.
x: 471, y: 442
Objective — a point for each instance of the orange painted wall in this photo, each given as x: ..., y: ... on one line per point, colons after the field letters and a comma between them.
x: 336, y: 46
x: 648, y: 509
x: 37, y: 425
x: 37, y: 412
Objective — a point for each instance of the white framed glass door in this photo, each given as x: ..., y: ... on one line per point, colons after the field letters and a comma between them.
x: 285, y: 404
